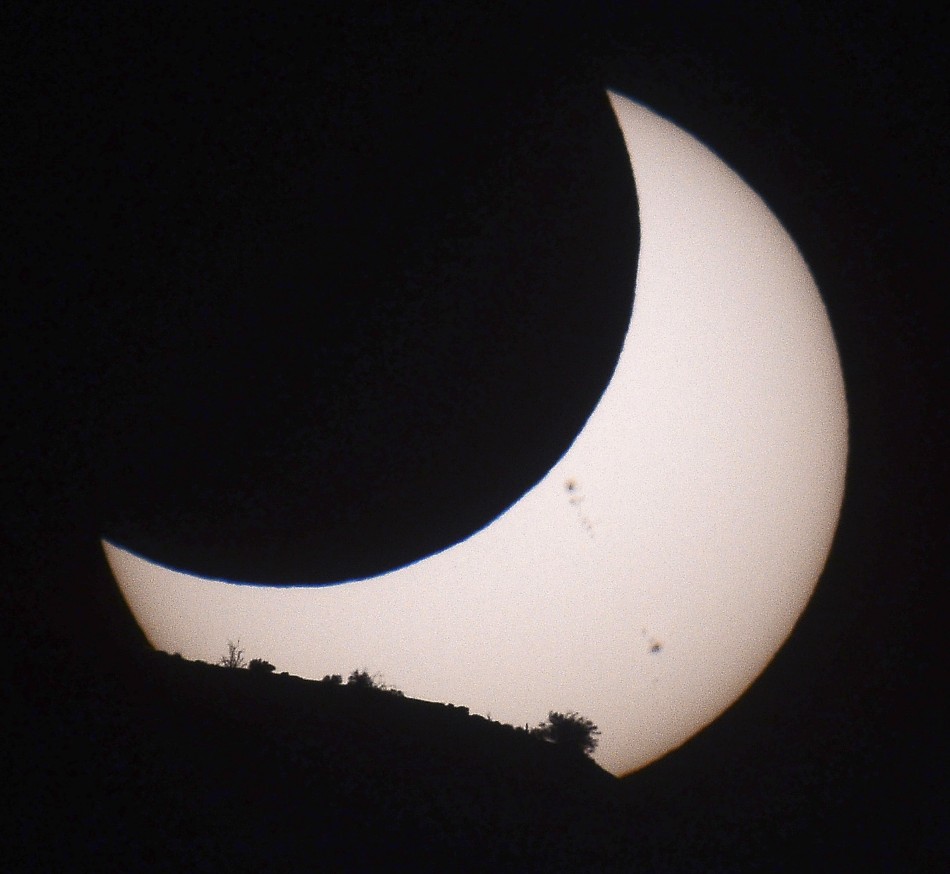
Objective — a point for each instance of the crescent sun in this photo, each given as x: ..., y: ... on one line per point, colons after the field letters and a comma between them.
x: 655, y: 571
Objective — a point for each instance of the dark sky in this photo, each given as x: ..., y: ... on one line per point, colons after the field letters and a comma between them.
x: 219, y: 224
x: 337, y: 291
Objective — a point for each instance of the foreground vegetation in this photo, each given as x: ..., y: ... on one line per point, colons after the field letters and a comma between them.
x: 570, y: 731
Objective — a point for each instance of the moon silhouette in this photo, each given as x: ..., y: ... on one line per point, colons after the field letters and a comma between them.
x: 653, y: 573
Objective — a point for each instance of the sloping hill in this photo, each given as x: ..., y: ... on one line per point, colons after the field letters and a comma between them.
x: 176, y: 765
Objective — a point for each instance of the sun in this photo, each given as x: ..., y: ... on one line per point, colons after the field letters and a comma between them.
x: 703, y: 494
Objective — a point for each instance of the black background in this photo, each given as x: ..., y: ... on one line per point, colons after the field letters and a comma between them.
x: 131, y: 248
x: 336, y: 296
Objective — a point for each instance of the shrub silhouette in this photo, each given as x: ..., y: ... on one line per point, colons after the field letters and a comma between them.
x: 260, y: 666
x: 333, y: 679
x: 235, y: 656
x: 569, y: 730
x: 362, y: 680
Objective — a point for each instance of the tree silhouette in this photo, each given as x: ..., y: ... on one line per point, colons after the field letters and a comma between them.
x: 235, y: 656
x: 569, y: 730
x: 260, y: 666
x: 362, y: 680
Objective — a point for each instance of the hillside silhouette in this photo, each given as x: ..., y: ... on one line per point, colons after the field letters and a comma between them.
x: 183, y: 765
